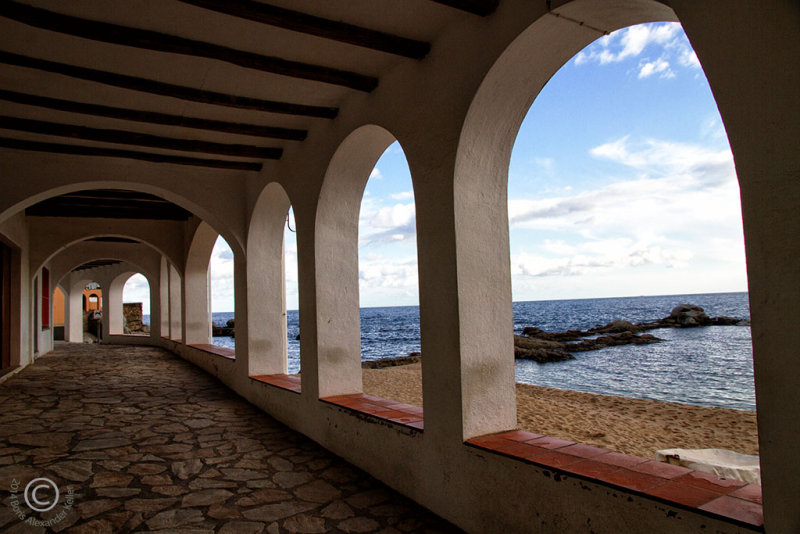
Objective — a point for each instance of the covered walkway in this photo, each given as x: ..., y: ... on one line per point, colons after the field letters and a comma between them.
x: 147, y: 441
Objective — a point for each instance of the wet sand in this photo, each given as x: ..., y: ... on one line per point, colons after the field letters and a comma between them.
x: 631, y: 426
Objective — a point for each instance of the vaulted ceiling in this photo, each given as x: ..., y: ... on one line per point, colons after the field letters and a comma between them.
x: 211, y: 83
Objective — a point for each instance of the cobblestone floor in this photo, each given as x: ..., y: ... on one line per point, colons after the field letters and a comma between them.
x: 146, y: 441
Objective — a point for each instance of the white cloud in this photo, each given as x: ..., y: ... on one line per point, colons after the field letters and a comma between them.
x: 659, y: 157
x: 385, y: 279
x: 628, y: 42
x: 659, y: 66
x: 666, y: 43
x: 405, y: 195
x: 688, y: 58
x: 387, y: 224
x: 376, y: 174
x: 673, y: 208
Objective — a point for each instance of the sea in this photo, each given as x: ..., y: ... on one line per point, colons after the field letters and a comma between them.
x: 705, y: 366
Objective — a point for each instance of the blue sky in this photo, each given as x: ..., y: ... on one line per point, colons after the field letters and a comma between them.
x: 621, y: 183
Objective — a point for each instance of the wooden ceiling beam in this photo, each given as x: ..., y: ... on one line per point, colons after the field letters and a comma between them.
x: 96, y: 263
x: 79, y: 150
x: 112, y: 239
x: 166, y: 89
x: 153, y: 117
x: 162, y: 42
x: 134, y: 138
x: 318, y: 26
x: 476, y: 7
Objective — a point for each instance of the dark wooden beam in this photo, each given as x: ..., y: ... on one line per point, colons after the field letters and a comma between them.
x: 476, y: 7
x: 58, y: 207
x: 134, y: 138
x: 96, y: 263
x: 162, y: 42
x: 153, y: 117
x: 78, y: 150
x: 166, y: 89
x: 321, y: 27
x: 112, y: 239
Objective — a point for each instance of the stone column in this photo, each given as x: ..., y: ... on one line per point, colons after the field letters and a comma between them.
x: 175, y: 304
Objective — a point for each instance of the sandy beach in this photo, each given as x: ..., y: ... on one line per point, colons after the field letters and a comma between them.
x: 630, y: 426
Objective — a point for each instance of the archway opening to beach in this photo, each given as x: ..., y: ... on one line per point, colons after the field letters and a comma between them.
x: 136, y: 305
x: 221, y: 293
x: 623, y: 203
x: 388, y: 279
x: 292, y: 293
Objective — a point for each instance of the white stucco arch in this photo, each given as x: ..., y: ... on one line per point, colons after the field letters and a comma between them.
x: 209, y: 213
x: 266, y: 288
x: 196, y: 283
x: 336, y: 249
x: 481, y: 195
x: 734, y: 76
x: 46, y: 251
x: 113, y: 311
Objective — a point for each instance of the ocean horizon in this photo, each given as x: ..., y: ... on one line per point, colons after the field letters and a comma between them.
x: 706, y: 366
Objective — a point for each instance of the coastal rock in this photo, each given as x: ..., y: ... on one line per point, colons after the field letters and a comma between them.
x: 729, y: 321
x: 227, y: 330
x: 612, y: 340
x: 616, y: 327
x: 543, y: 347
x: 413, y: 357
x: 540, y: 350
x: 540, y: 346
x: 687, y: 315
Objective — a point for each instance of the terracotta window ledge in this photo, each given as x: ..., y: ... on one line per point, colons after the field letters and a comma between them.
x: 229, y: 354
x: 728, y: 499
x: 388, y: 410
x: 287, y: 382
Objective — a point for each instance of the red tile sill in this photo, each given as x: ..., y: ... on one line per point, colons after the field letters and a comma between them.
x: 229, y: 354
x: 287, y: 382
x: 387, y: 410
x: 725, y: 499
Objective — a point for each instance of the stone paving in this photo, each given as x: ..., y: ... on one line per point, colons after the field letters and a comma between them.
x: 137, y: 439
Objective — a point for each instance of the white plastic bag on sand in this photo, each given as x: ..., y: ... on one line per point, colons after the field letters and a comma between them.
x: 721, y: 462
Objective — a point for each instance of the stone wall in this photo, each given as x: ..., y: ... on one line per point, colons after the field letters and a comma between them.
x: 132, y: 312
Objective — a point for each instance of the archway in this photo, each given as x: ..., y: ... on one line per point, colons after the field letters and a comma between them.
x: 388, y: 279
x: 336, y: 249
x: 266, y: 275
x: 136, y: 295
x: 621, y: 184
x: 221, y: 291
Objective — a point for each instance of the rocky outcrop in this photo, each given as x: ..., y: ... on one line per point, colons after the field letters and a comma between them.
x: 132, y: 313
x: 540, y: 350
x: 690, y: 315
x: 543, y: 347
x: 540, y: 346
x: 224, y: 331
x: 413, y: 357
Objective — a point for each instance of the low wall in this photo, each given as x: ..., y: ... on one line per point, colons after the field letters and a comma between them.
x: 478, y: 490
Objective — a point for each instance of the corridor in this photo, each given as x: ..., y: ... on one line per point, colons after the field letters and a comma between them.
x: 139, y: 440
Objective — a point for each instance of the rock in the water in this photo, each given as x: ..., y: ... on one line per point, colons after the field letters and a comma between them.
x: 687, y: 315
x: 616, y: 327
x: 540, y: 350
x: 228, y: 330
x: 413, y: 357
x: 729, y: 321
